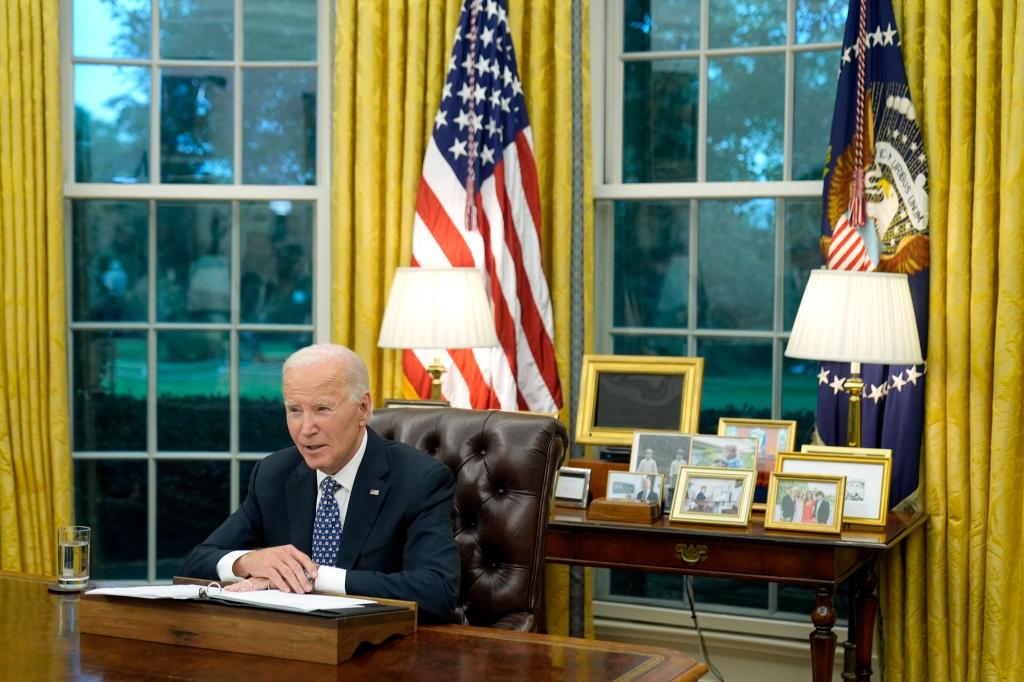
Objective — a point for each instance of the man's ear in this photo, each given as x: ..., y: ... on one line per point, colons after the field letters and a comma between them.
x: 365, y: 409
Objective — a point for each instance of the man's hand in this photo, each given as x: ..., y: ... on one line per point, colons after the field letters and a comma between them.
x: 287, y: 569
x: 249, y: 585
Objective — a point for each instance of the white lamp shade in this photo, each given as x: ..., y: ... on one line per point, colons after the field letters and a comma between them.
x: 865, y: 317
x: 437, y: 308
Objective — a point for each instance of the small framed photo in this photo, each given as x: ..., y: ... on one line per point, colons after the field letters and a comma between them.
x: 572, y: 486
x: 843, y: 450
x: 866, y: 501
x: 660, y: 453
x: 772, y: 435
x: 621, y: 394
x: 706, y: 495
x: 807, y: 502
x: 630, y: 485
x: 724, y: 452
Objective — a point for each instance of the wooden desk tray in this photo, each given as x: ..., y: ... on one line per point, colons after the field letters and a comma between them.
x: 223, y: 627
x: 629, y: 511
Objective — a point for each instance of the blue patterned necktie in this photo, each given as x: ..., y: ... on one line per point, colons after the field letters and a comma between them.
x: 327, y: 525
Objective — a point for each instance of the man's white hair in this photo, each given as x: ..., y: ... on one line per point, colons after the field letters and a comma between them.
x: 352, y: 370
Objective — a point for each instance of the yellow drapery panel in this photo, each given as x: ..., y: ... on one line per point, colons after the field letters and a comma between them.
x: 389, y: 66
x: 952, y: 600
x: 35, y: 454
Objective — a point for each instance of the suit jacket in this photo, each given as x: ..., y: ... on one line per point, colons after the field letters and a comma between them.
x: 788, y: 507
x: 396, y: 543
x: 649, y: 496
x: 822, y: 512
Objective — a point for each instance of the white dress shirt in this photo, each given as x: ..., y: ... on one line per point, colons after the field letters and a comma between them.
x: 329, y: 578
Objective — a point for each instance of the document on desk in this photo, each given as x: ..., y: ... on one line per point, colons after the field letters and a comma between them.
x: 271, y: 599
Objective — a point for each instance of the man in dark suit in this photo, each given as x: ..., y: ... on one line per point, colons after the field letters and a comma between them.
x: 646, y: 494
x: 821, y: 508
x: 343, y: 511
x: 788, y: 506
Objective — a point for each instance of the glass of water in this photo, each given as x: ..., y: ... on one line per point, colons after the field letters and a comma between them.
x: 73, y: 557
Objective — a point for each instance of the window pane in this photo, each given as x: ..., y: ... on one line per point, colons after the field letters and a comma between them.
x: 279, y: 127
x: 111, y: 30
x: 192, y: 391
x: 192, y: 499
x: 110, y: 256
x: 661, y: 25
x: 802, y: 252
x: 800, y: 396
x: 745, y: 117
x: 277, y: 262
x: 111, y: 123
x: 261, y: 419
x: 735, y: 275
x: 109, y: 390
x: 110, y: 497
x: 649, y: 345
x: 746, y: 24
x: 646, y: 587
x: 800, y: 603
x: 717, y: 594
x: 284, y: 31
x: 737, y: 380
x: 814, y: 91
x: 659, y: 121
x: 819, y: 21
x: 197, y: 30
x: 193, y: 271
x: 196, y: 124
x: 652, y: 269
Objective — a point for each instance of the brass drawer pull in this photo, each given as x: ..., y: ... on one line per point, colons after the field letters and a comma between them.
x: 692, y: 554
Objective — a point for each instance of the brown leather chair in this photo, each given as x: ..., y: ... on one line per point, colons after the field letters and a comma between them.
x: 504, y: 465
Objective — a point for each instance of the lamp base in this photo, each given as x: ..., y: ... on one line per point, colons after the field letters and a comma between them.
x: 854, y: 385
x: 435, y: 369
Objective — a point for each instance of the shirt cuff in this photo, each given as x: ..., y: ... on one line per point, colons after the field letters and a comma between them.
x: 330, y: 579
x: 227, y: 562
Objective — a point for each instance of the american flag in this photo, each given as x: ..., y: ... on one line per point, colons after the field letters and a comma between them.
x: 482, y: 149
x: 876, y: 217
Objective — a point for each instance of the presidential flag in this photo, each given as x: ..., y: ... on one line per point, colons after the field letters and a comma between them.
x: 478, y: 205
x: 875, y: 217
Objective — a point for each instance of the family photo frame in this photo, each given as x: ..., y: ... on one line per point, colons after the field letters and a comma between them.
x: 660, y: 453
x: 805, y: 502
x: 636, y: 487
x: 866, y: 498
x: 724, y: 452
x: 622, y: 394
x: 772, y: 435
x: 715, y: 496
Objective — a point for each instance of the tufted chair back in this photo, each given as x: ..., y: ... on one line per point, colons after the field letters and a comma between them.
x: 504, y: 465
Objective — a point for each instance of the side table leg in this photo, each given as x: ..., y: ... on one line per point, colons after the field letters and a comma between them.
x: 577, y: 595
x: 866, y: 606
x: 823, y: 639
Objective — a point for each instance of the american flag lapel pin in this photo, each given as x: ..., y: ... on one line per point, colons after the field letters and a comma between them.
x: 374, y: 491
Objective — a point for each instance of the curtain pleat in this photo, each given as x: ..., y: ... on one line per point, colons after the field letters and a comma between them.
x: 35, y: 454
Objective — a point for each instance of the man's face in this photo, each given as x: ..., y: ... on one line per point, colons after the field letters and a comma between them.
x: 648, y: 454
x: 326, y: 425
x: 647, y: 484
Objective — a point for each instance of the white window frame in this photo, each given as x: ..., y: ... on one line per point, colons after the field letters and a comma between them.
x: 156, y: 191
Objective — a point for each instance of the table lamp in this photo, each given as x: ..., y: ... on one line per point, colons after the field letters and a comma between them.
x: 856, y: 317
x: 437, y: 309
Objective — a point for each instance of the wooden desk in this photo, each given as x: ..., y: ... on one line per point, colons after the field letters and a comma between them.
x: 39, y: 640
x: 820, y: 562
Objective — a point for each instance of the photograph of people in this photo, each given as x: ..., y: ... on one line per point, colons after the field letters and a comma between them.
x: 821, y: 508
x: 648, y: 491
x: 788, y: 504
x: 804, y: 503
x: 724, y: 452
x: 647, y: 465
x: 712, y: 495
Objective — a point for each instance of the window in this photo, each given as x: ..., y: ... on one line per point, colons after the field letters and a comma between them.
x: 198, y: 222
x: 714, y: 118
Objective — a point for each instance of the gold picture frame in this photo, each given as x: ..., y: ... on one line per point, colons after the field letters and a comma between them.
x: 866, y: 500
x: 780, y: 515
x: 707, y: 495
x: 844, y: 450
x: 622, y: 394
x: 628, y: 485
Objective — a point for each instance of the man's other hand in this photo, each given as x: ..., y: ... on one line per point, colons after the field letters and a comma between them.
x: 287, y: 568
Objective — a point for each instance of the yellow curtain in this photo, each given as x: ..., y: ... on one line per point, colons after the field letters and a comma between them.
x: 952, y: 599
x: 35, y: 453
x: 389, y: 66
